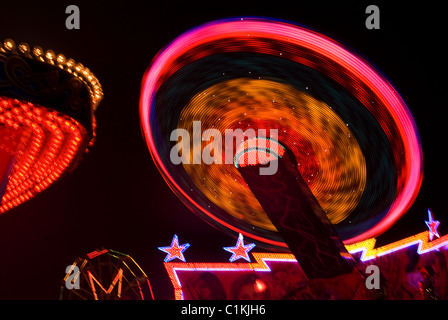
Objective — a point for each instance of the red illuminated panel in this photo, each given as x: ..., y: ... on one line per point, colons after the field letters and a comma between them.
x: 54, y: 142
x: 94, y: 254
x: 182, y: 273
x: 9, y: 144
x: 177, y: 271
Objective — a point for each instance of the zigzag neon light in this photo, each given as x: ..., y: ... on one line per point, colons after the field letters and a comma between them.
x: 369, y: 252
x: 258, y: 266
x: 366, y: 247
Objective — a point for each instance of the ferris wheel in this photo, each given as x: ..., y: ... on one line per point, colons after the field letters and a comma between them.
x: 105, y: 274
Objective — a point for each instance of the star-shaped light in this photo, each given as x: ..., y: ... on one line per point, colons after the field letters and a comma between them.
x: 240, y: 250
x: 432, y: 225
x: 175, y: 250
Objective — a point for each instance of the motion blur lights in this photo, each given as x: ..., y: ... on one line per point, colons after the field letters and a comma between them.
x: 51, y: 143
x: 47, y: 105
x: 257, y: 149
x: 208, y: 67
x: 59, y: 60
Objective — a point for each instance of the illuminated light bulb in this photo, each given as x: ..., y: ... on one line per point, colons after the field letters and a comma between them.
x: 24, y: 48
x: 259, y: 286
x: 50, y: 56
x: 70, y: 63
x: 38, y: 52
x: 61, y: 59
x: 9, y: 44
x: 79, y: 67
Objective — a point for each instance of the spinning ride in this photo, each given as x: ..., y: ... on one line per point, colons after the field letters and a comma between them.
x: 354, y: 139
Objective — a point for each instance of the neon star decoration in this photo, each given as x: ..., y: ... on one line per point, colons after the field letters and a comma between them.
x: 432, y: 225
x: 240, y: 250
x: 175, y: 250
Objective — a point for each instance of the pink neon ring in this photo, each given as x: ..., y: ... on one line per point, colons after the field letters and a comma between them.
x: 296, y: 35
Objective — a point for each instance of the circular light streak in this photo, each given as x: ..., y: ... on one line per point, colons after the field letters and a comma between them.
x: 329, y: 159
x: 205, y: 74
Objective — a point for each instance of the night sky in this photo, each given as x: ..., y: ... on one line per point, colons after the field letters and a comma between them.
x: 116, y: 197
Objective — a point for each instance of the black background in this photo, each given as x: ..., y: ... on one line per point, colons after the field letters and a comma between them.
x: 117, y: 199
